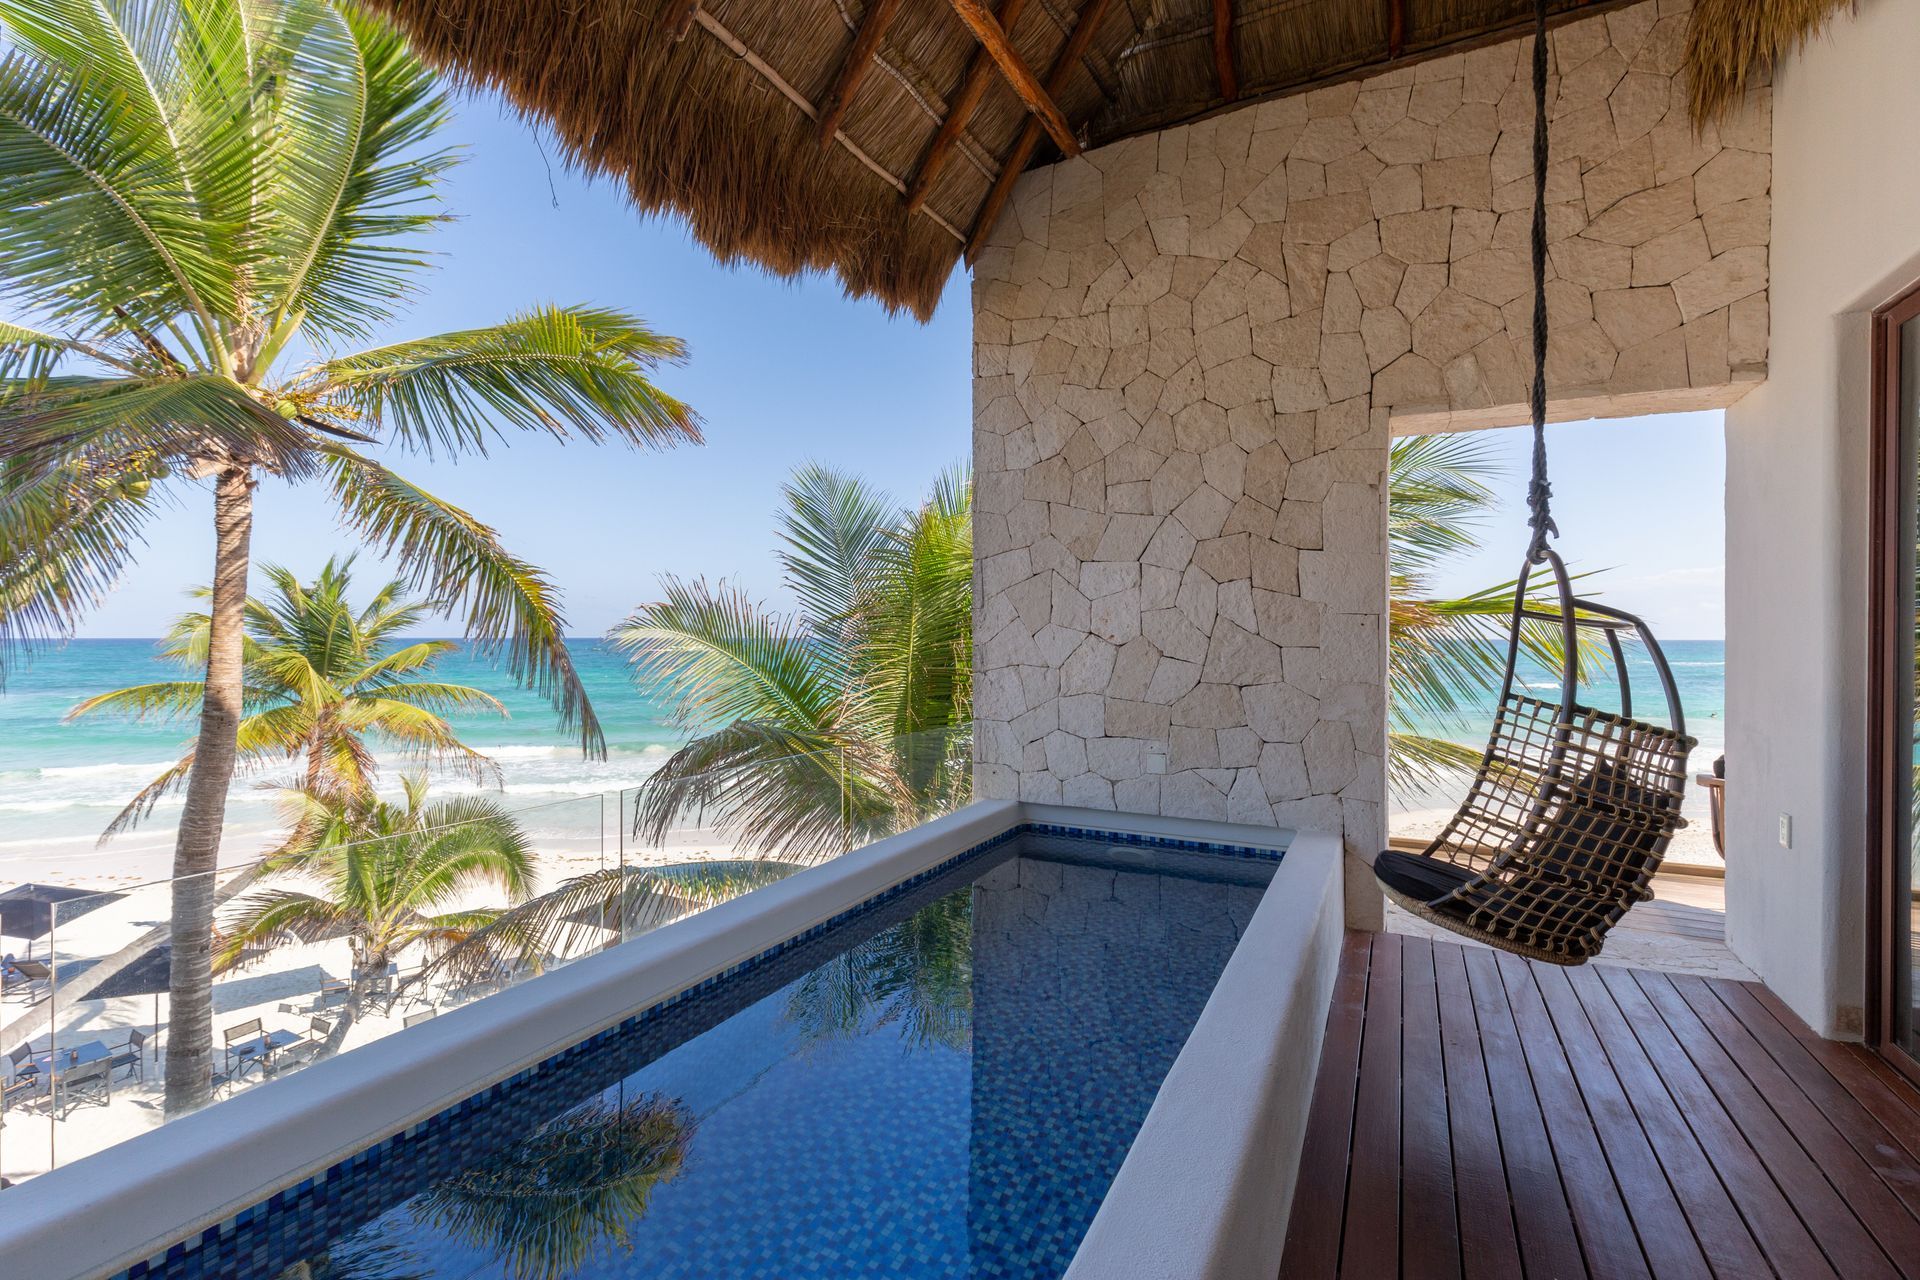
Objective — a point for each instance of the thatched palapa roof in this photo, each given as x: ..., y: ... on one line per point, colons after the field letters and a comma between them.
x: 879, y: 138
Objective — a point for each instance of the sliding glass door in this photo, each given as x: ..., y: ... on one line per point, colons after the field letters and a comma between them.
x: 1896, y: 685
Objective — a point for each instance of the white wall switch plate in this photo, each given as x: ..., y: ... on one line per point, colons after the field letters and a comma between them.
x: 1786, y: 831
x: 1156, y: 757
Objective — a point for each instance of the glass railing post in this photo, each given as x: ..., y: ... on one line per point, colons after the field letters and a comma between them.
x: 53, y: 1033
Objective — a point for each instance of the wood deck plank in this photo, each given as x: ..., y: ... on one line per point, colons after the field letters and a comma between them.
x: 1488, y: 1247
x: 1819, y: 1094
x: 1320, y: 1191
x: 1430, y: 1235
x: 1878, y: 1209
x: 1720, y: 1234
x: 1775, y: 1224
x: 1371, y: 1244
x: 1887, y: 1098
x: 1607, y: 1233
x: 1543, y: 1220
x: 1479, y: 1117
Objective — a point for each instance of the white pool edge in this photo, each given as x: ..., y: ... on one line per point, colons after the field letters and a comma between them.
x: 102, y: 1214
x: 1206, y: 1187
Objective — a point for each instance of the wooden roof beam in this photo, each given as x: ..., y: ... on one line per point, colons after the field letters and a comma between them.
x: 854, y: 67
x: 993, y: 38
x: 1070, y: 55
x: 1223, y: 50
x: 972, y: 89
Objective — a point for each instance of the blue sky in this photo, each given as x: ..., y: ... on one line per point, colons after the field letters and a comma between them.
x: 789, y: 372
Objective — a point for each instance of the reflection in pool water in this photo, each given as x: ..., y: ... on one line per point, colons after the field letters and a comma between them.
x: 942, y: 1087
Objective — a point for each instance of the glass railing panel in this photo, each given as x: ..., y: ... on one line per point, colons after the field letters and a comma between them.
x: 88, y: 1021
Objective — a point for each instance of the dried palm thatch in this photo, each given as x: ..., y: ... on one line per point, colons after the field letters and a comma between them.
x: 712, y: 109
x: 1732, y: 42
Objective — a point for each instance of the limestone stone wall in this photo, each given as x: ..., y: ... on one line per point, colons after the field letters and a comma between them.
x: 1190, y: 350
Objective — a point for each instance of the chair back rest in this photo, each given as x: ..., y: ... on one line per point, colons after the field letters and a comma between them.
x: 136, y: 1039
x: 318, y: 1026
x: 245, y: 1031
x: 19, y: 1054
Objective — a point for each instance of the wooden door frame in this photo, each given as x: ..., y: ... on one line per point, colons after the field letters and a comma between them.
x: 1891, y: 463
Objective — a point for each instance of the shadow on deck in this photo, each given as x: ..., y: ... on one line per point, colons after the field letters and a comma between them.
x: 1480, y: 1115
x: 1682, y: 930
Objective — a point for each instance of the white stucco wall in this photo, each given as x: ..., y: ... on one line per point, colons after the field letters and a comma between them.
x: 1846, y: 237
x: 1191, y: 348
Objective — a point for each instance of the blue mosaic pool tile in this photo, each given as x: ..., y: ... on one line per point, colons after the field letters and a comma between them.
x: 300, y: 1220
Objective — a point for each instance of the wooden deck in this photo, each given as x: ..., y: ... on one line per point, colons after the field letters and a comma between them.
x: 1476, y: 1115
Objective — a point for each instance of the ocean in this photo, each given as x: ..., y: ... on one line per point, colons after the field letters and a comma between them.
x: 61, y: 783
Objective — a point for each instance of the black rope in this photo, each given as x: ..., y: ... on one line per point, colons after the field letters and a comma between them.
x: 1539, y: 491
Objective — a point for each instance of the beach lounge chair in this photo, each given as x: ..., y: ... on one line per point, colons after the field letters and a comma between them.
x: 332, y: 991
x: 28, y: 980
x: 132, y: 1056
x: 88, y: 1085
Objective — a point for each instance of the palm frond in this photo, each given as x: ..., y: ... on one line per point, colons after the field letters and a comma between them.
x: 355, y: 179
x: 101, y: 211
x: 164, y: 698
x: 67, y: 534
x: 509, y: 607
x: 832, y: 527
x: 721, y: 658
x: 171, y: 419
x: 565, y: 371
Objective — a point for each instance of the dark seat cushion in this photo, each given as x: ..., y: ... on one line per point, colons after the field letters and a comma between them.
x: 1417, y: 876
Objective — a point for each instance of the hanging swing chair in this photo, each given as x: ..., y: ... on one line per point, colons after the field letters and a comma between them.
x: 1571, y: 809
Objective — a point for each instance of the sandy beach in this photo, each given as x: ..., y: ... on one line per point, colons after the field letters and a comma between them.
x: 281, y: 990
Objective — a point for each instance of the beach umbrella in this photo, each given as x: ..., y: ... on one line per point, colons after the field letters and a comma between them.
x: 29, y: 911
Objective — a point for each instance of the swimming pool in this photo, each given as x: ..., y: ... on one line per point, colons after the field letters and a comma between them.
x: 942, y: 1082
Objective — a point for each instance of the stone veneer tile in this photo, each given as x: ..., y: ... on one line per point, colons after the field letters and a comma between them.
x: 1187, y: 351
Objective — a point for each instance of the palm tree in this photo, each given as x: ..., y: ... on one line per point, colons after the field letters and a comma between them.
x: 835, y: 723
x: 321, y: 678
x: 389, y: 877
x: 198, y: 192
x: 547, y: 1205
x: 1443, y: 652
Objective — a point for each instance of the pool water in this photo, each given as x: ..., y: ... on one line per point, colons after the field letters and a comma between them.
x: 943, y: 1085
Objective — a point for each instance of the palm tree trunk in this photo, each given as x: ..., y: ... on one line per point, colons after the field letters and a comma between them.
x: 197, y: 849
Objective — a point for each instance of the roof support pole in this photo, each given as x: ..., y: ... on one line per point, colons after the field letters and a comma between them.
x: 853, y: 69
x: 993, y: 38
x: 959, y: 112
x: 1223, y: 49
x: 1070, y: 55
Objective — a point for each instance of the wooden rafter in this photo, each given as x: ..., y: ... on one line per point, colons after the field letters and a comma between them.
x: 853, y: 69
x: 1039, y: 100
x: 738, y: 48
x: 1223, y: 50
x: 1070, y: 55
x: 980, y: 74
x: 681, y: 19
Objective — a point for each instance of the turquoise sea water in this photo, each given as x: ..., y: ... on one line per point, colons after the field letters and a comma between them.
x: 1699, y: 672
x: 61, y: 783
